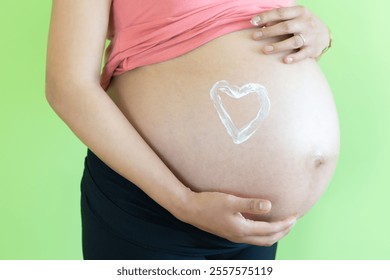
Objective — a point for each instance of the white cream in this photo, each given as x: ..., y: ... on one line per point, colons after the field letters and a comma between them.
x: 240, y: 135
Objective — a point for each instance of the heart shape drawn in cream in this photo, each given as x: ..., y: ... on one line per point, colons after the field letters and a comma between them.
x: 240, y: 135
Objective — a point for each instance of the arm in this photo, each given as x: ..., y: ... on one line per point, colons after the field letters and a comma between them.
x: 76, y: 42
x: 75, y: 48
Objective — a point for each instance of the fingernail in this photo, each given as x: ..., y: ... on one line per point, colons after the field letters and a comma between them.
x: 264, y: 205
x: 268, y: 48
x: 255, y: 20
x: 257, y: 35
x: 289, y: 60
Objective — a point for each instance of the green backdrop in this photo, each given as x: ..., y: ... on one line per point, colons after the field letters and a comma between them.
x: 41, y: 160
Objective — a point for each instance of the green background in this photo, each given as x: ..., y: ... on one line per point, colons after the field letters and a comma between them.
x: 41, y: 160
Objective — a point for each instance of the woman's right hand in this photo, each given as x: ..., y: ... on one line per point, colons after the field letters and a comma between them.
x: 221, y: 214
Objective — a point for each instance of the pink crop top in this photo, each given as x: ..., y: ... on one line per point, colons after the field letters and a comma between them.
x: 150, y: 31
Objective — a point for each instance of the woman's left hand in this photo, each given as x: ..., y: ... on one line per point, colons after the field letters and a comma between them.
x: 309, y: 35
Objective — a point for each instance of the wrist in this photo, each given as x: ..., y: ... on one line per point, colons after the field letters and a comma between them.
x: 181, y: 205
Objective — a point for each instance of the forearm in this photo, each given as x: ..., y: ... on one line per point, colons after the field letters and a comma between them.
x: 100, y: 125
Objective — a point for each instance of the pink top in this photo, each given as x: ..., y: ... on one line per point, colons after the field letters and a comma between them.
x: 150, y: 31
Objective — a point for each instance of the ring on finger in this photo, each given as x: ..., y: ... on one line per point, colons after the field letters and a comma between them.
x: 303, y: 39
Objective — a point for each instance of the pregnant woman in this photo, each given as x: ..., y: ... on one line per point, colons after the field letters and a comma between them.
x: 211, y: 129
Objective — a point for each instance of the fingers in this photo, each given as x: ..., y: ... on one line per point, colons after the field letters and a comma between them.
x: 278, y: 29
x: 250, y: 205
x: 281, y: 14
x: 258, y: 228
x: 268, y: 240
x: 220, y: 214
x: 298, y: 56
x: 294, y: 42
x: 307, y: 34
x: 263, y: 233
x: 257, y: 232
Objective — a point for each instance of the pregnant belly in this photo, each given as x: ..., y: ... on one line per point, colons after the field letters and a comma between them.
x: 289, y: 159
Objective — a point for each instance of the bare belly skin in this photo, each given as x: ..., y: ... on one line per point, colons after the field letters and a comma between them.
x: 289, y: 160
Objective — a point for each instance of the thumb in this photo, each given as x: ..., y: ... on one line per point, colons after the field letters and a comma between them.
x: 252, y: 205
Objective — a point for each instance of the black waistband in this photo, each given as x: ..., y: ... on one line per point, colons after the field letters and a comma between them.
x: 126, y: 210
